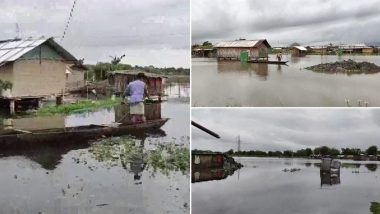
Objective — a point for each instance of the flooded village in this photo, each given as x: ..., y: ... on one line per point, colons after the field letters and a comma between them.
x: 73, y: 137
x: 271, y: 76
x: 55, y: 121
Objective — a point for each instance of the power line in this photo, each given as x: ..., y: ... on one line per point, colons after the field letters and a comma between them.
x: 69, y: 20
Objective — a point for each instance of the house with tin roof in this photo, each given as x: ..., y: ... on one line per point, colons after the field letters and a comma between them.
x: 235, y: 50
x: 36, y: 68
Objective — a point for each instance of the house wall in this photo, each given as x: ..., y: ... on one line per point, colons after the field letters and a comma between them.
x: 262, y: 51
x: 297, y: 52
x: 231, y: 52
x: 367, y: 50
x: 32, y: 78
x: 43, y: 51
x: 75, y: 80
x: 6, y: 74
x: 121, y: 81
x: 207, y: 161
x: 255, y: 52
x: 320, y: 50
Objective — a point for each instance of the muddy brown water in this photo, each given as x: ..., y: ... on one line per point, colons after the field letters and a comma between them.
x: 49, y: 178
x: 262, y: 186
x: 231, y: 83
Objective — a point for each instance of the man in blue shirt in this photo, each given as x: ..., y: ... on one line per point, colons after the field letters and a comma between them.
x: 137, y: 90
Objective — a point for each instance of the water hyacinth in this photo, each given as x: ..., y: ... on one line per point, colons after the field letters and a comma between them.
x: 165, y: 157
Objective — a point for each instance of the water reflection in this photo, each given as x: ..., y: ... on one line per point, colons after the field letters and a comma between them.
x: 329, y: 178
x: 371, y: 167
x: 280, y: 85
x: 212, y: 166
x: 265, y: 188
x: 243, y: 68
x: 65, y: 177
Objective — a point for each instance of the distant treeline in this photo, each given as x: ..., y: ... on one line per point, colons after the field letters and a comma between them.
x: 204, y: 45
x: 319, y: 151
x: 100, y: 70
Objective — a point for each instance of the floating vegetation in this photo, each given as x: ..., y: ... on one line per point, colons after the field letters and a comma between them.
x: 169, y: 157
x: 130, y: 153
x: 347, y: 67
x: 375, y: 208
x: 79, y: 107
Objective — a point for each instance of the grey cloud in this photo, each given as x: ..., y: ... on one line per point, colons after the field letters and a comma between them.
x: 282, y: 129
x: 117, y: 26
x: 286, y: 21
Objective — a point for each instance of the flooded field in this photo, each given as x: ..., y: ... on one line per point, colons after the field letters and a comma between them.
x: 239, y: 84
x: 137, y: 173
x: 263, y: 186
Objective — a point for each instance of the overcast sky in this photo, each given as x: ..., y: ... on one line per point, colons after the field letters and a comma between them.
x: 286, y: 129
x: 283, y: 22
x: 149, y: 32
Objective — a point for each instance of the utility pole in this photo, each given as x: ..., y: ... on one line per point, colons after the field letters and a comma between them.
x: 17, y: 31
x: 238, y: 149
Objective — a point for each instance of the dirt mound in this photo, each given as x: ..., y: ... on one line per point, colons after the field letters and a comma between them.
x: 347, y: 67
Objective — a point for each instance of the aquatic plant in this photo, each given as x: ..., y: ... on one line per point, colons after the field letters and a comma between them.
x: 339, y: 52
x: 375, y: 208
x: 121, y: 151
x: 169, y: 157
x: 79, y: 107
x: 5, y: 85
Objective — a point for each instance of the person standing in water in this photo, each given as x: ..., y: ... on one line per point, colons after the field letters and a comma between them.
x: 279, y: 57
x: 137, y: 91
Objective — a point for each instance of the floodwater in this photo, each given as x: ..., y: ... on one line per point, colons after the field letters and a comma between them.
x: 262, y: 186
x: 68, y: 177
x: 232, y: 83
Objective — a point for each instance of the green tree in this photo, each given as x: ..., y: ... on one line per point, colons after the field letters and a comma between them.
x: 334, y: 152
x: 230, y: 152
x: 207, y: 44
x: 324, y: 150
x: 288, y: 153
x: 309, y: 151
x: 372, y: 150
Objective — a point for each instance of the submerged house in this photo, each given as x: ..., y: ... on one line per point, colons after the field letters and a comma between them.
x: 298, y: 51
x: 239, y: 49
x: 356, y: 48
x: 35, y: 67
x: 120, y: 80
x: 321, y: 50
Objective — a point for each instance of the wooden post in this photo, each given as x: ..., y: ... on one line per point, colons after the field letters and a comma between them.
x: 59, y: 100
x: 12, y: 107
x: 39, y: 102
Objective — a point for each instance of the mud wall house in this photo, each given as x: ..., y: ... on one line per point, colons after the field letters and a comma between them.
x: 120, y: 80
x: 368, y: 50
x: 319, y: 50
x: 232, y: 50
x: 35, y: 67
x: 298, y: 51
x: 359, y: 48
x: 75, y: 77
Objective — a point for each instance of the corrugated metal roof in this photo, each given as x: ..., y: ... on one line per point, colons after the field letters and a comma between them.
x: 11, y: 50
x: 301, y: 48
x: 237, y: 44
x: 135, y: 72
